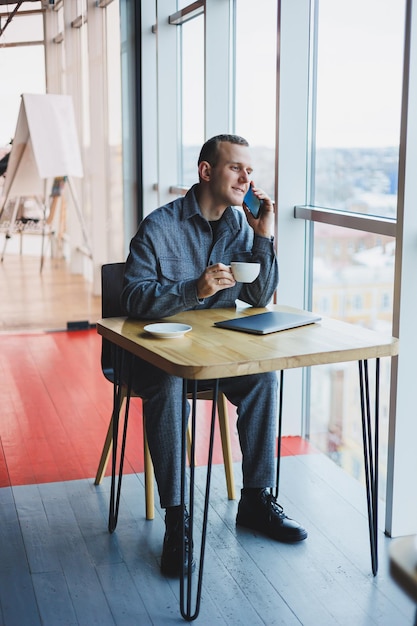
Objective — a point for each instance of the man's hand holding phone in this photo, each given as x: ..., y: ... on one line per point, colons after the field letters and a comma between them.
x: 259, y: 211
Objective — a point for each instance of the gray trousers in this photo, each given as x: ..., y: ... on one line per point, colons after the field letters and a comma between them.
x: 255, y: 397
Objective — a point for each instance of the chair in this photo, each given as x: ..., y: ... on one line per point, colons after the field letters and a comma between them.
x: 111, y: 284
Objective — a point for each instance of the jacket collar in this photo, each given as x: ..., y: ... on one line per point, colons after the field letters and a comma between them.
x: 191, y: 208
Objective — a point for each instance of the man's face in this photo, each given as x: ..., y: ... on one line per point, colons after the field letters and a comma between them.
x: 230, y: 178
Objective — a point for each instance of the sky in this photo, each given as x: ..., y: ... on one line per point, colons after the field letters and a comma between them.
x: 360, y: 58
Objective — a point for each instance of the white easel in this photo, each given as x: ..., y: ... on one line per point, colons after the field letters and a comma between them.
x: 45, y: 146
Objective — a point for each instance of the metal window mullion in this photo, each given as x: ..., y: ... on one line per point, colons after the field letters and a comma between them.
x: 167, y: 100
x: 217, y: 68
x: 357, y: 221
x: 292, y: 167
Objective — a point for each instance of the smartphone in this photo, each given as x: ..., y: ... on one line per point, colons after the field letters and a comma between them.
x: 252, y: 202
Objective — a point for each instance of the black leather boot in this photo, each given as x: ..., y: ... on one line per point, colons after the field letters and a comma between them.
x: 172, y: 548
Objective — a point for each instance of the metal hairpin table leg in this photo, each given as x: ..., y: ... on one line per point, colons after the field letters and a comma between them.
x: 370, y: 453
x: 281, y: 396
x: 186, y: 578
x: 120, y: 356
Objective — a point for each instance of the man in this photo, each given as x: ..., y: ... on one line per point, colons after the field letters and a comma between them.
x: 180, y: 260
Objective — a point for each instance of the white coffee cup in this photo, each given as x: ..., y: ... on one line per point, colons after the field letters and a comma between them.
x: 245, y: 272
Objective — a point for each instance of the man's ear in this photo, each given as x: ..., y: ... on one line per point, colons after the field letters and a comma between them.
x: 204, y: 171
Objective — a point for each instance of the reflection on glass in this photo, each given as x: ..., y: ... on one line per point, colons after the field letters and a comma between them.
x: 353, y: 274
x: 192, y: 97
x: 358, y: 105
x: 255, y: 88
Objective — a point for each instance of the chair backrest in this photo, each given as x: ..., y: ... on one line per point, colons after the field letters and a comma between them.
x: 111, y: 289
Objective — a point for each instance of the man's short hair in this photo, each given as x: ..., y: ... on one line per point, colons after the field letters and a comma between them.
x: 210, y: 150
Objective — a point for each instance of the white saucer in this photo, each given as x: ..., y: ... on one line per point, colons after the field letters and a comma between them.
x: 167, y: 331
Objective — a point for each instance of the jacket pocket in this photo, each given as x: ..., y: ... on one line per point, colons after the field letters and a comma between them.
x: 174, y: 269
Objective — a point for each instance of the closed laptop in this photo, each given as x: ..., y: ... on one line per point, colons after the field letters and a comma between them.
x: 269, y: 322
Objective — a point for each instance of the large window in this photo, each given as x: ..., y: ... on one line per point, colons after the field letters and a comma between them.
x: 355, y: 169
x: 316, y: 87
x: 354, y: 139
x: 358, y: 105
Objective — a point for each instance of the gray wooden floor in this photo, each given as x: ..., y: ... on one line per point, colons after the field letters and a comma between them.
x: 60, y: 566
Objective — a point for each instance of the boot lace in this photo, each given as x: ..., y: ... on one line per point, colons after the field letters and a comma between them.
x: 274, y: 509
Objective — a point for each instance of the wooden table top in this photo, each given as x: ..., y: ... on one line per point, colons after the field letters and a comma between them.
x: 208, y: 352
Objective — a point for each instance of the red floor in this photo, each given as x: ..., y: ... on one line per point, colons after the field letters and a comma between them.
x: 55, y: 408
